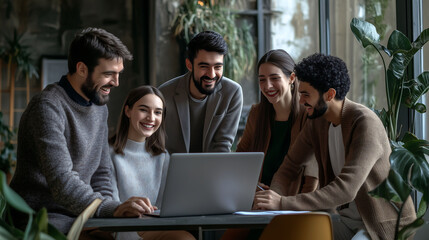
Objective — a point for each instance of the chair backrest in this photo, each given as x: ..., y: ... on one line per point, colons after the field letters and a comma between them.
x: 77, y: 226
x: 304, y: 226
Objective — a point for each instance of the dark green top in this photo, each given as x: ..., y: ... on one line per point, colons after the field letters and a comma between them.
x: 279, y: 145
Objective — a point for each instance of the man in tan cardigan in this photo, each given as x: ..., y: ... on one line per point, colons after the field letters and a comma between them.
x: 352, y: 150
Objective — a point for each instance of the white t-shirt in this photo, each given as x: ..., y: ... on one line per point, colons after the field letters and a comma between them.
x: 350, y: 215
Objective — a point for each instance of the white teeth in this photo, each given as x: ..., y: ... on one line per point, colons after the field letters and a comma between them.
x: 105, y: 89
x: 272, y: 93
x: 147, y: 126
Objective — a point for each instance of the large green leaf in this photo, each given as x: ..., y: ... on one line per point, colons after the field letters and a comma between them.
x: 366, y: 34
x: 394, y: 85
x: 422, y: 39
x: 408, y: 137
x: 409, y: 161
x: 42, y: 220
x: 393, y: 188
x: 401, y: 64
x: 414, y: 90
x: 52, y: 231
x: 4, y: 234
x: 29, y: 232
x: 382, y: 114
x: 398, y: 64
x: 45, y: 236
x: 12, y: 198
x: 423, y: 206
x: 410, y: 229
x: 18, y: 233
x: 398, y: 42
x: 39, y: 225
x: 2, y: 206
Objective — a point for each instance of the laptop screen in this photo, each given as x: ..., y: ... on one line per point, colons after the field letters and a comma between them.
x: 210, y: 183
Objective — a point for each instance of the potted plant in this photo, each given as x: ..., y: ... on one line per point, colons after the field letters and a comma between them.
x: 196, y: 16
x: 410, y: 155
x: 37, y: 225
x: 19, y: 65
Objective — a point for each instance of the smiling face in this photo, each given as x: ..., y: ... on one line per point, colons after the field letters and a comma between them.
x: 312, y: 100
x: 97, y: 85
x: 274, y: 84
x: 145, y: 117
x: 207, y: 70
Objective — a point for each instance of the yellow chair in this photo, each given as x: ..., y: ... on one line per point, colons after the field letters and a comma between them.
x: 304, y: 226
x: 77, y: 226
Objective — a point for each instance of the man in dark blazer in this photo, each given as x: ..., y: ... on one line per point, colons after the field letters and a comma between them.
x: 203, y: 106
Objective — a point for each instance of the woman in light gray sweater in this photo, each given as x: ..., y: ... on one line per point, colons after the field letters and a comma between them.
x: 139, y: 158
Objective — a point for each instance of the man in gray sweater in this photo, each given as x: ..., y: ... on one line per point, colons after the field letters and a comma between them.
x: 63, y: 156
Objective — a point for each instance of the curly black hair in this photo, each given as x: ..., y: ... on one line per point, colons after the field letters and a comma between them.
x: 324, y: 72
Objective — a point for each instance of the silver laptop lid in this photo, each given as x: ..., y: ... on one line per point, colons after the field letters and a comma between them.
x: 210, y: 183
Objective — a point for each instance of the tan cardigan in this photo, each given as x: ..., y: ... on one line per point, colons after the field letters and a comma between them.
x: 310, y: 170
x: 367, y: 151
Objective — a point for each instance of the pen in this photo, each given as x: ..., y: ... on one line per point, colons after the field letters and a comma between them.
x: 260, y: 188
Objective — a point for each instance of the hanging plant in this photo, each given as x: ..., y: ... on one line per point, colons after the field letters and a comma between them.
x: 197, y: 16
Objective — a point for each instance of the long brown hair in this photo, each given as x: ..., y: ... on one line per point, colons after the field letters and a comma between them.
x: 155, y: 144
x: 281, y: 59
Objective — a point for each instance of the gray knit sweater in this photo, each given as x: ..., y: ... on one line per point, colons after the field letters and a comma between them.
x: 138, y: 173
x: 63, y: 160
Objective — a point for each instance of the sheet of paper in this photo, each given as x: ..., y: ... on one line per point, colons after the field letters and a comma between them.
x: 268, y: 212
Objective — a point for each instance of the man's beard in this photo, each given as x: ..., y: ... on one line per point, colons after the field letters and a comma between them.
x: 319, y: 109
x: 94, y: 95
x: 199, y: 85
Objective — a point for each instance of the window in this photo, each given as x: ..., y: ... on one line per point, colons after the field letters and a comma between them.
x: 294, y: 27
x: 365, y: 65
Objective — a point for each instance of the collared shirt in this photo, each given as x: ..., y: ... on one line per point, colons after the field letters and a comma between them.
x: 64, y: 83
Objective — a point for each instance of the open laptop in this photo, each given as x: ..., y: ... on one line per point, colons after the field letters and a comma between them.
x: 210, y: 183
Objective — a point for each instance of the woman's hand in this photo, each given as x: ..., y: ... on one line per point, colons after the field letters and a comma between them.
x: 134, y: 207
